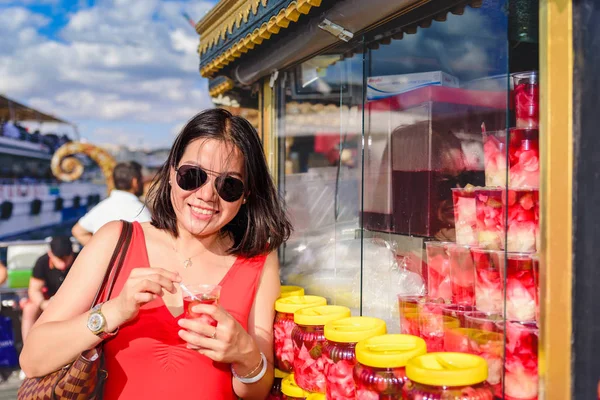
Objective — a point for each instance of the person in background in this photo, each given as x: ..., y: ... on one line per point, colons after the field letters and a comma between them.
x: 48, y: 274
x: 122, y: 204
x: 10, y: 130
x: 3, y: 273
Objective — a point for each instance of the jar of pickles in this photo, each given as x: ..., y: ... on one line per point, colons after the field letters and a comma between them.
x: 284, y: 324
x: 380, y: 372
x: 289, y: 290
x: 308, y: 339
x: 456, y: 376
x: 275, y: 393
x: 342, y: 336
x: 290, y: 390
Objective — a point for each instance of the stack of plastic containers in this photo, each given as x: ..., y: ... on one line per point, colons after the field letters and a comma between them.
x: 380, y: 372
x: 314, y: 347
x: 483, y: 289
x: 342, y: 336
x: 291, y: 391
x: 284, y: 325
x: 276, y: 393
x: 308, y: 338
x: 439, y: 376
x: 336, y: 356
x: 289, y: 290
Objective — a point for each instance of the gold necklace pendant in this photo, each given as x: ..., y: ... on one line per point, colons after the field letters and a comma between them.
x: 187, y: 263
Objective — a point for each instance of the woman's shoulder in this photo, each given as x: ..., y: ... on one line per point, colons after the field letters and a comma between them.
x: 154, y: 237
x: 261, y: 261
x: 151, y: 232
x: 106, y: 236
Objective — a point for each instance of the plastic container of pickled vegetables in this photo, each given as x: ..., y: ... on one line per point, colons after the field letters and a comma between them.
x: 465, y: 218
x: 457, y: 376
x: 289, y: 290
x: 381, y: 360
x: 342, y: 336
x: 308, y: 338
x: 526, y: 94
x: 275, y: 393
x: 290, y: 390
x: 284, y: 325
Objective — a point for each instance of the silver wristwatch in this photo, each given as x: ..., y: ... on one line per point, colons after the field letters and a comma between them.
x: 97, y: 323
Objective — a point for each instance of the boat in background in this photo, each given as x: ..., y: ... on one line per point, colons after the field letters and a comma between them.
x: 46, y: 180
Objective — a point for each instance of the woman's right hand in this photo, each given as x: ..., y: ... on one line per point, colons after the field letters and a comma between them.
x: 142, y: 286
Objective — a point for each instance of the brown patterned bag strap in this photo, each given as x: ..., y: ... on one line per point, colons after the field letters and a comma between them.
x: 113, y: 269
x: 117, y: 268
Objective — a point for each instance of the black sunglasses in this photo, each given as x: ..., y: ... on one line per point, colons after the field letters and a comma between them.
x: 192, y: 177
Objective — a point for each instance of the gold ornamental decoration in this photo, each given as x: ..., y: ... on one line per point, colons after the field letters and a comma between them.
x: 229, y: 15
x: 221, y: 88
x: 67, y: 168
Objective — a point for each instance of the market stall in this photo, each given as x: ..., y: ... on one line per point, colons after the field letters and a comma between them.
x: 416, y: 144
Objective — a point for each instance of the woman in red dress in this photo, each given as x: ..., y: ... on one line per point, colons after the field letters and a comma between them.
x: 216, y: 219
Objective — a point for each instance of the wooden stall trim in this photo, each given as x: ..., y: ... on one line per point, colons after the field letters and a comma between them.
x: 556, y: 124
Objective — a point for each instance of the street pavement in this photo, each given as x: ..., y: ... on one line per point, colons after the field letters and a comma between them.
x: 8, y: 388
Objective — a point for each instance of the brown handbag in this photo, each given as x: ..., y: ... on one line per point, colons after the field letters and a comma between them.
x: 84, y: 378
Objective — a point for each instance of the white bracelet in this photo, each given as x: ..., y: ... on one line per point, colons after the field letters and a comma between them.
x: 255, y: 378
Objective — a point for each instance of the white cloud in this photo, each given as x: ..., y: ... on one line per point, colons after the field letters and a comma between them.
x: 14, y: 18
x: 123, y: 137
x: 120, y: 60
x: 184, y: 42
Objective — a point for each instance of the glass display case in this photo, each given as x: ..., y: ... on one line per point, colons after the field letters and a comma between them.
x: 410, y: 167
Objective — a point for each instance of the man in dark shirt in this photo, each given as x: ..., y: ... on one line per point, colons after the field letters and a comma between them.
x: 48, y: 274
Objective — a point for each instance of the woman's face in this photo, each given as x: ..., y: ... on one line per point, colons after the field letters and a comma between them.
x: 202, y: 212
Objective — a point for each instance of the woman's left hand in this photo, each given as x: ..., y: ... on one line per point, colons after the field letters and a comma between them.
x: 227, y: 342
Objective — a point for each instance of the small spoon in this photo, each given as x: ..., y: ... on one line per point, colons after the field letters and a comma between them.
x: 188, y: 291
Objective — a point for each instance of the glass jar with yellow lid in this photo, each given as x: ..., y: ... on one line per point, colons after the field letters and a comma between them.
x: 290, y: 390
x: 381, y: 361
x: 275, y: 393
x: 342, y: 336
x: 290, y: 290
x: 457, y: 376
x: 308, y: 338
x: 284, y: 325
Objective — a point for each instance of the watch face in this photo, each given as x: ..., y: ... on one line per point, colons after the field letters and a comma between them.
x: 95, y: 322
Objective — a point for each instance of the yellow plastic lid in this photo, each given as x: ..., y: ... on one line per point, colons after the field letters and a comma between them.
x: 292, y: 304
x: 389, y: 351
x: 289, y: 387
x: 354, y: 329
x: 280, y: 374
x: 287, y: 291
x: 316, y: 396
x: 447, y: 369
x: 320, y: 315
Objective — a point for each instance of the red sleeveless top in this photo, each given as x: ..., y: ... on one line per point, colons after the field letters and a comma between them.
x: 148, y: 360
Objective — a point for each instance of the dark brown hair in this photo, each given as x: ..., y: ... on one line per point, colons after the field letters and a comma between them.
x: 261, y: 225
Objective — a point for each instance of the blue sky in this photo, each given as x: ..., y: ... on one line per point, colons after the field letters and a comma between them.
x: 124, y: 71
